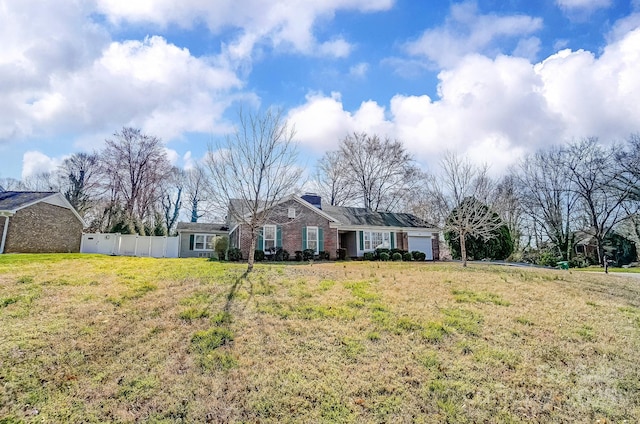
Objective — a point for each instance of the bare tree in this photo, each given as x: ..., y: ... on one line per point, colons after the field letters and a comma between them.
x: 255, y: 167
x: 79, y: 180
x: 601, y: 185
x: 333, y: 179
x: 462, y: 190
x: 508, y: 205
x: 548, y: 197
x: 42, y: 181
x: 134, y: 166
x: 171, y: 199
x: 195, y: 192
x: 381, y: 170
x: 11, y: 184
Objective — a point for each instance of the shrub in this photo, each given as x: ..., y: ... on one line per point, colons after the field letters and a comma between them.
x: 384, y: 256
x: 234, y: 254
x: 549, y: 259
x: 341, y: 254
x: 221, y: 246
x: 323, y: 256
x: 298, y: 255
x: 258, y: 255
x: 396, y: 250
x: 281, y: 255
x: 308, y: 254
x: 382, y: 250
x: 369, y: 256
x: 407, y: 257
x: 397, y: 256
x: 418, y: 256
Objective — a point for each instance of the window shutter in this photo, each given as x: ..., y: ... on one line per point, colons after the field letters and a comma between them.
x: 320, y: 239
x: 304, y: 238
x: 361, y: 240
x: 191, y: 241
x: 392, y: 237
x: 260, y: 240
x: 278, y: 236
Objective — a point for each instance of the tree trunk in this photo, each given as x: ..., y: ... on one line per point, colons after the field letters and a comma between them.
x: 252, y: 252
x: 463, y: 249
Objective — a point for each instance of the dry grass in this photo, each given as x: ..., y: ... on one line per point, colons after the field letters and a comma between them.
x: 96, y: 338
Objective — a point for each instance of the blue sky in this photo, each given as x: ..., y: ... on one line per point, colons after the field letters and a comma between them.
x: 491, y: 79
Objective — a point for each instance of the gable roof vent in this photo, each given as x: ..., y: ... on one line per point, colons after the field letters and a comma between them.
x: 314, y: 199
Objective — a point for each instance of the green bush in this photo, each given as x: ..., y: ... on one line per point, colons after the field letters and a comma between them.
x: 308, y: 254
x: 549, y: 259
x: 381, y: 250
x: 397, y: 256
x: 341, y: 254
x: 407, y: 257
x: 258, y: 255
x: 298, y: 255
x: 369, y: 256
x: 384, y: 256
x: 323, y: 256
x: 281, y: 255
x: 418, y: 256
x: 221, y: 246
x: 235, y: 254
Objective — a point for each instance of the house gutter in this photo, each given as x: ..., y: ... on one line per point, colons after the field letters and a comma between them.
x: 4, y: 233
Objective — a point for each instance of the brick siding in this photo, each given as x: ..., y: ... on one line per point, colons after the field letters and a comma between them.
x: 43, y: 228
x: 292, y: 229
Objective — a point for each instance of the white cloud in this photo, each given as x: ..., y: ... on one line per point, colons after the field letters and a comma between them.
x: 466, y: 31
x: 584, y: 5
x: 83, y: 83
x: 359, y: 70
x: 282, y: 24
x: 496, y: 110
x: 35, y: 162
x: 322, y: 122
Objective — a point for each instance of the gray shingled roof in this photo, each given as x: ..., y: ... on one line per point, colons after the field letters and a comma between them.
x: 13, y: 200
x: 361, y: 216
x: 201, y: 227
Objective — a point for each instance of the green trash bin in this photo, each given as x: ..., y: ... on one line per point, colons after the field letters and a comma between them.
x: 563, y: 264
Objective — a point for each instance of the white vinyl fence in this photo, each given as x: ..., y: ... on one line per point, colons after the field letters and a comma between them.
x: 130, y: 245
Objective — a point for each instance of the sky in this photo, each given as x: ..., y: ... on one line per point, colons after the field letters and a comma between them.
x: 490, y: 79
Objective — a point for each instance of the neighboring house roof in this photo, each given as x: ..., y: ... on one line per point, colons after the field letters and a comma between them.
x: 365, y: 217
x: 13, y: 201
x: 200, y: 227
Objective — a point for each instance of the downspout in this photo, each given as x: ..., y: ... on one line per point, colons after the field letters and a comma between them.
x: 4, y: 233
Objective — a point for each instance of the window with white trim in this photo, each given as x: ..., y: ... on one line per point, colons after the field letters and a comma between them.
x: 376, y: 239
x: 312, y: 238
x: 203, y: 242
x: 269, y: 237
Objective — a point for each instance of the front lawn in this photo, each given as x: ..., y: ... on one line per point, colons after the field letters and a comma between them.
x: 89, y: 338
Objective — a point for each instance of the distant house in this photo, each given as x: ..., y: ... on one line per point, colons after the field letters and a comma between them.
x: 197, y: 240
x: 38, y: 222
x: 299, y: 223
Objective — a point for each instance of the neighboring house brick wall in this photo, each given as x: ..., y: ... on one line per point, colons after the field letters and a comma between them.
x: 43, y: 228
x: 292, y: 229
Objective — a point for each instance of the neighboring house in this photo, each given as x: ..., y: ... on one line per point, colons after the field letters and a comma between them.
x: 38, y: 222
x: 198, y: 240
x: 299, y: 223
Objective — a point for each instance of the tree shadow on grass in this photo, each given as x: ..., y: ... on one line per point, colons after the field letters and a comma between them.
x: 235, y: 287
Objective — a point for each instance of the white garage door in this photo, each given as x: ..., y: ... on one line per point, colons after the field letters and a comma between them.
x: 421, y: 244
